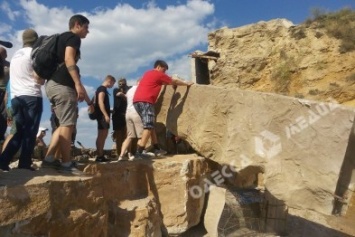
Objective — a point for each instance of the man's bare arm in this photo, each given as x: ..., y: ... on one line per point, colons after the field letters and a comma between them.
x: 177, y: 82
x: 101, y: 99
x: 70, y: 63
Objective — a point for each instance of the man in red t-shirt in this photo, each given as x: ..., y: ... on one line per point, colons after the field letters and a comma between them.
x: 144, y: 99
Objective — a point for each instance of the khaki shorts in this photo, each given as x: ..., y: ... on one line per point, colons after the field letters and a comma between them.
x: 134, y: 125
x: 64, y: 101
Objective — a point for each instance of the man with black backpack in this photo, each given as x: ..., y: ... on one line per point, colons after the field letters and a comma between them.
x: 64, y: 89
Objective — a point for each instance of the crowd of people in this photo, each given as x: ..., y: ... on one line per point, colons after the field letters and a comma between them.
x: 133, y: 115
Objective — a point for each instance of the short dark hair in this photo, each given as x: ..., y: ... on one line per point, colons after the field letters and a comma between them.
x: 161, y: 63
x: 122, y: 79
x: 111, y: 78
x: 78, y: 18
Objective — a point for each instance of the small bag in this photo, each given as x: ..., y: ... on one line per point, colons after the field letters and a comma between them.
x: 93, y: 112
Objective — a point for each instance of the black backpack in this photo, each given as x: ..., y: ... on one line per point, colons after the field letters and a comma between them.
x: 44, y: 56
x: 93, y: 114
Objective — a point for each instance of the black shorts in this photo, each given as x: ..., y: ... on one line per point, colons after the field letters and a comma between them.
x: 102, y: 124
x: 118, y: 121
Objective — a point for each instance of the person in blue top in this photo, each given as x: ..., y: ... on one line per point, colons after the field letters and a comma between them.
x: 4, y: 78
x: 10, y: 122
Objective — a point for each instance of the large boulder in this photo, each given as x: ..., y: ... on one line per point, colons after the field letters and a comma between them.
x: 299, y: 145
x: 140, y: 198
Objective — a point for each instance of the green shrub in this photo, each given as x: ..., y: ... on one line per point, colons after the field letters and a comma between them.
x: 300, y: 96
x: 298, y: 33
x: 350, y: 78
x: 320, y: 65
x: 318, y: 35
x: 314, y: 92
x: 340, y: 25
x: 283, y: 72
x: 334, y: 84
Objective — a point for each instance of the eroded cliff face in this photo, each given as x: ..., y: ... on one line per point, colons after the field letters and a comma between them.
x: 302, y: 61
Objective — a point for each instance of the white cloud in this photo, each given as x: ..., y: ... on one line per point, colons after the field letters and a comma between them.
x: 11, y: 14
x: 124, y: 38
x: 46, y: 20
x: 4, y: 28
x: 123, y: 41
x: 181, y: 67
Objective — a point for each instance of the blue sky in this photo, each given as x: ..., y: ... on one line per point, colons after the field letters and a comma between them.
x: 126, y: 37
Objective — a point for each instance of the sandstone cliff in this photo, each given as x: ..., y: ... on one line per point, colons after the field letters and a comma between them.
x: 304, y: 61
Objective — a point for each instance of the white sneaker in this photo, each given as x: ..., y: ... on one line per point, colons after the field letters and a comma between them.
x: 147, y: 153
x: 160, y: 152
x: 143, y: 155
x: 72, y: 169
x: 130, y: 156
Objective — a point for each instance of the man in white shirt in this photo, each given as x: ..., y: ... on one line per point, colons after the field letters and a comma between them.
x: 134, y: 125
x: 27, y: 105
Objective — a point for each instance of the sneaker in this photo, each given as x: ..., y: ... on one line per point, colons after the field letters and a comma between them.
x: 55, y: 164
x: 101, y: 159
x: 72, y: 169
x: 160, y: 152
x: 121, y: 158
x: 147, y: 153
x: 142, y: 156
x: 138, y: 156
x: 130, y: 155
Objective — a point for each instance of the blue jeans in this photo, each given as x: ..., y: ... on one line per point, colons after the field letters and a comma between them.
x: 3, y: 120
x: 27, y: 112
